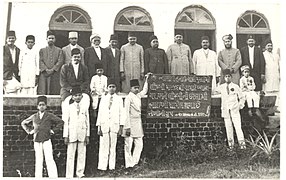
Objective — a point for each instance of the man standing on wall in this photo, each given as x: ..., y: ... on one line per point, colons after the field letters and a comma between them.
x: 73, y: 39
x: 51, y: 61
x: 229, y: 58
x: 252, y: 56
x: 131, y: 62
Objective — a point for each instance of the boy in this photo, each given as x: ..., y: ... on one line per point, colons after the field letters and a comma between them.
x: 41, y: 129
x: 29, y: 67
x: 76, y: 131
x: 110, y: 123
x: 133, y: 130
x: 232, y: 101
x: 98, y: 85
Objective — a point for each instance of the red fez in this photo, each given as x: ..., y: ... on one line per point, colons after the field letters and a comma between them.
x: 111, y: 81
x: 30, y: 37
x: 134, y: 82
x: 205, y: 38
x: 250, y: 36
x: 227, y: 37
x: 226, y: 72
x: 11, y: 33
x: 76, y: 90
x: 113, y: 37
x: 131, y: 34
x: 42, y: 99
x: 49, y: 33
x: 75, y: 51
x: 152, y: 38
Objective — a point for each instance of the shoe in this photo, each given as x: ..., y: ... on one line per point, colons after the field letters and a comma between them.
x: 101, y: 173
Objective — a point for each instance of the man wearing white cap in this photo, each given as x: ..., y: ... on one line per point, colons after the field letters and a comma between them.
x: 73, y: 39
x: 95, y: 55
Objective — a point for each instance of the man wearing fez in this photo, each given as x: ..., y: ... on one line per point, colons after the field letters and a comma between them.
x: 155, y: 58
x: 51, y: 61
x: 131, y: 62
x: 229, y: 58
x: 95, y: 55
x: 180, y: 57
x: 252, y: 56
x: 73, y: 39
x: 73, y: 74
x: 10, y: 65
x: 29, y: 67
x: 205, y: 62
x: 113, y: 54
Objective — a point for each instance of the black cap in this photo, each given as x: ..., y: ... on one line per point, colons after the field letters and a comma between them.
x: 134, y: 82
x: 75, y: 90
x: 113, y: 37
x: 30, y: 37
x: 131, y: 34
x: 152, y: 38
x: 11, y: 33
x: 42, y: 99
x: 226, y: 72
x: 49, y: 33
x: 250, y: 36
x: 75, y: 51
x: 99, y: 66
x: 111, y: 81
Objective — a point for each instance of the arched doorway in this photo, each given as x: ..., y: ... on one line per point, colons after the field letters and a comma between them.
x: 193, y: 22
x: 252, y: 22
x: 71, y: 18
x: 137, y: 20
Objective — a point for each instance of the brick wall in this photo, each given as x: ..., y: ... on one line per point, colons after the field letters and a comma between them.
x: 18, y: 152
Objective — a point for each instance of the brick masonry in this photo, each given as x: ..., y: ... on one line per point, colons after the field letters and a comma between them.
x: 18, y: 152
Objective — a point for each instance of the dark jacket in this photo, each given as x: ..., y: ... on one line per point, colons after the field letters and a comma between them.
x: 10, y: 68
x: 114, y: 65
x: 156, y: 61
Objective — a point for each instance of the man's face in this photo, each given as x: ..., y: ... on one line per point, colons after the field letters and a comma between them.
x: 111, y: 88
x: 30, y: 43
x: 42, y: 106
x: 155, y: 43
x: 96, y: 41
x: 76, y: 58
x: 113, y: 43
x: 227, y: 78
x: 135, y: 89
x: 178, y: 39
x: 227, y: 43
x: 99, y: 72
x: 250, y: 42
x: 132, y: 40
x: 205, y: 44
x: 73, y: 40
x: 269, y: 47
x: 51, y: 40
x: 77, y: 97
x: 11, y: 40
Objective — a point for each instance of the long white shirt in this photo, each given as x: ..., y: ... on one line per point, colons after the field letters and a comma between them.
x: 98, y: 84
x: 251, y: 55
x: 28, y: 67
x: 206, y: 63
x: 272, y: 72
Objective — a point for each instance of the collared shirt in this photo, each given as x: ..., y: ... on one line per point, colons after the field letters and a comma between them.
x: 41, y: 114
x: 75, y: 68
x: 251, y: 55
x: 98, y: 51
x: 13, y: 53
x: 72, y: 46
x: 113, y: 51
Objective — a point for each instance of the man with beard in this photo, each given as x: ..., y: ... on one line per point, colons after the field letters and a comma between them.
x: 205, y: 62
x: 51, y: 61
x: 113, y: 54
x: 155, y: 58
x: 252, y: 56
x: 180, y: 57
x: 73, y: 39
x: 131, y: 62
x: 229, y: 58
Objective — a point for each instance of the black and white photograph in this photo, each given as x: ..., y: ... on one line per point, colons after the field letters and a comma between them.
x: 142, y: 89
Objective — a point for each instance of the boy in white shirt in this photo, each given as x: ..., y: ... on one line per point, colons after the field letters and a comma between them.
x: 98, y: 85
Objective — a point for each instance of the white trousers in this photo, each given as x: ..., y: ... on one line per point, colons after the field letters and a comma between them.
x: 107, y: 151
x: 252, y: 95
x: 94, y: 101
x: 236, y: 121
x: 131, y: 159
x: 45, y: 149
x: 81, y: 154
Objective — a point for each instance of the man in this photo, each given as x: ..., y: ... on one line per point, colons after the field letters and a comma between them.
x: 76, y: 131
x: 252, y: 56
x: 110, y: 123
x: 229, y: 58
x: 205, y: 62
x: 180, y: 57
x: 113, y: 54
x: 51, y: 61
x: 29, y: 67
x: 73, y: 74
x: 155, y: 58
x: 131, y: 62
x: 95, y: 55
x: 73, y: 39
x: 10, y: 65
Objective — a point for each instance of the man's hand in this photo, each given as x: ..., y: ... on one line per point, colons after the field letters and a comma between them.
x: 32, y: 132
x: 50, y: 71
x: 52, y: 132
x: 263, y: 79
x: 120, y: 130
x: 66, y: 140
x: 128, y: 132
x: 141, y: 76
x: 86, y: 140
x: 122, y: 76
x: 99, y: 132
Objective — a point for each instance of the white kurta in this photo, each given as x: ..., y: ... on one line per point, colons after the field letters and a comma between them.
x: 272, y: 73
x: 206, y: 63
x: 98, y: 84
x: 28, y: 67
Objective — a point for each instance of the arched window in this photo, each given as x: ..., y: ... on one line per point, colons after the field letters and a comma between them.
x: 252, y: 22
x: 133, y: 18
x: 70, y: 18
x: 195, y: 17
